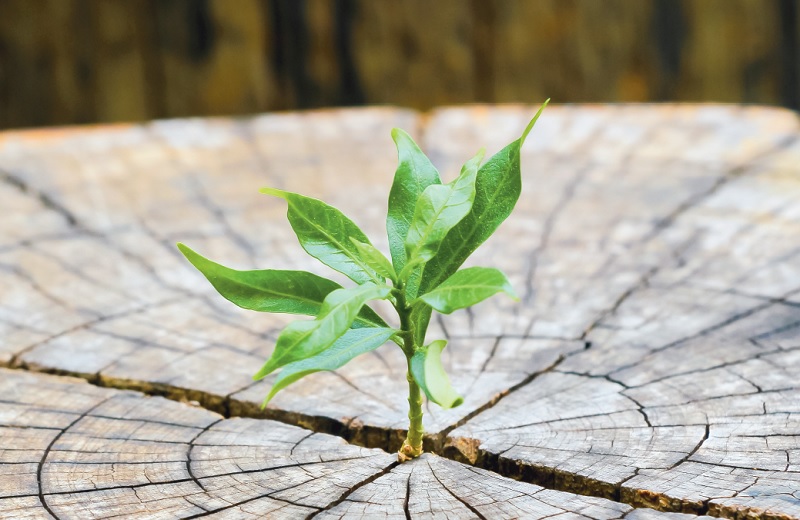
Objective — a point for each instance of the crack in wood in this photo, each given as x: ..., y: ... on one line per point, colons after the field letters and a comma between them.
x: 441, y: 438
x: 696, y: 448
x: 34, y: 284
x: 217, y: 213
x: 553, y: 480
x: 464, y: 502
x: 454, y: 448
x: 642, y: 282
x: 46, y: 200
x: 549, y: 223
x: 40, y: 466
x: 408, y: 496
x: 190, y: 479
x: 191, y: 447
x: 783, y: 144
x: 73, y: 222
x: 704, y: 332
x: 17, y: 362
x: 359, y: 485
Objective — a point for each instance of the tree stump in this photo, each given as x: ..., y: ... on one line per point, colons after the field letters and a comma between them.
x: 652, y: 361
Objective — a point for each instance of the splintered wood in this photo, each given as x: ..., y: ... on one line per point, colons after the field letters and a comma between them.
x: 652, y: 361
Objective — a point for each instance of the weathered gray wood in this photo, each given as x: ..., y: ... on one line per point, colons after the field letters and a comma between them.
x: 173, y: 182
x: 105, y: 453
x: 687, y: 398
x: 432, y: 486
x: 653, y: 248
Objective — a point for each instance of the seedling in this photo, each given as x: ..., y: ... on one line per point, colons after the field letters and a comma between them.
x: 432, y: 229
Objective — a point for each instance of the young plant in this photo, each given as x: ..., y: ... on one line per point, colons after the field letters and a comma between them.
x: 432, y: 229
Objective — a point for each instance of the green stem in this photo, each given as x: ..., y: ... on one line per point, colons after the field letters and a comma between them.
x: 412, y: 446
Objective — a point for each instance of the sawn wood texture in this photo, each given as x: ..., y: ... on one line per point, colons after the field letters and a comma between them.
x: 72, y: 450
x: 653, y: 358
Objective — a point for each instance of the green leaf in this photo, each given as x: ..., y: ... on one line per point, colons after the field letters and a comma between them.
x: 466, y: 288
x: 497, y: 188
x: 272, y: 290
x: 375, y: 259
x: 426, y: 367
x: 420, y: 318
x: 411, y: 268
x: 414, y: 173
x: 439, y: 208
x: 303, y: 339
x: 325, y: 233
x: 354, y: 343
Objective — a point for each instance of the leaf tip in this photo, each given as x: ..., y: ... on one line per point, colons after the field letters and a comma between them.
x: 398, y: 133
x: 187, y: 251
x: 275, y: 192
x: 476, y: 160
x: 509, y: 289
x: 266, y: 370
x: 533, y: 122
x: 272, y: 393
x: 404, y: 142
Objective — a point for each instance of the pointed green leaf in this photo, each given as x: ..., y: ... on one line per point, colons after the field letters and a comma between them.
x: 411, y: 268
x: 439, y: 208
x: 325, y: 233
x: 354, y: 343
x: 426, y: 367
x: 303, y: 339
x: 420, y: 318
x: 272, y: 290
x: 375, y: 259
x: 466, y: 288
x: 497, y: 188
x: 414, y: 173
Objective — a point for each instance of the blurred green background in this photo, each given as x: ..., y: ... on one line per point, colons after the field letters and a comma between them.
x: 81, y: 61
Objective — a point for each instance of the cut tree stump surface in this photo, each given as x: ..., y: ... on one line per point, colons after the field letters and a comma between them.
x: 652, y: 361
x: 71, y: 450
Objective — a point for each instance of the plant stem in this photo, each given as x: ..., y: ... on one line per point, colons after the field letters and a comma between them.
x: 412, y: 446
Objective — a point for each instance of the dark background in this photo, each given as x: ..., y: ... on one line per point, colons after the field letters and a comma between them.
x: 81, y: 61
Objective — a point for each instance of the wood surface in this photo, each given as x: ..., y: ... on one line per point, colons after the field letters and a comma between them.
x: 82, y: 61
x: 72, y: 450
x: 652, y: 361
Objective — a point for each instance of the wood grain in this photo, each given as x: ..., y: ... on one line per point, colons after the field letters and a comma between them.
x: 652, y: 359
x: 681, y: 402
x: 71, y: 450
